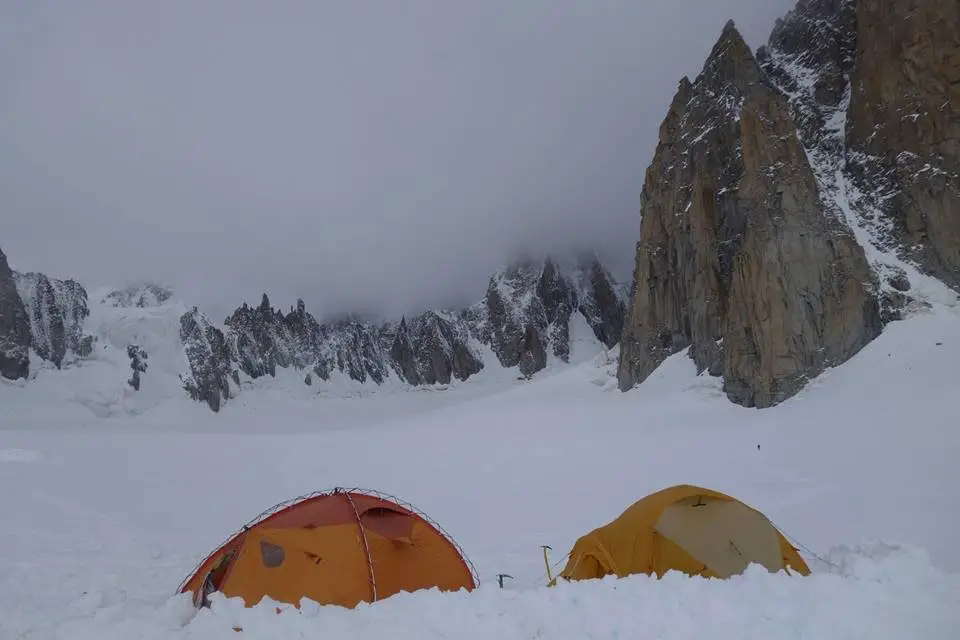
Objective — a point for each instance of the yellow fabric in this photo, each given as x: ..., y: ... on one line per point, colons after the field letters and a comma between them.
x: 725, y: 535
x: 633, y: 544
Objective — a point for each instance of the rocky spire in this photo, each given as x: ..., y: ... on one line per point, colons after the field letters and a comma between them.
x: 737, y: 259
x: 209, y: 359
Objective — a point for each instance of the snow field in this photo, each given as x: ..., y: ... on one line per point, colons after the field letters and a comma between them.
x: 103, y: 518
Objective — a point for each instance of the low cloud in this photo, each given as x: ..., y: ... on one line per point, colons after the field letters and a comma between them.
x: 377, y: 156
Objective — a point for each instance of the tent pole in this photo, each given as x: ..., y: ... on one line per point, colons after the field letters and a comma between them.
x: 366, y: 547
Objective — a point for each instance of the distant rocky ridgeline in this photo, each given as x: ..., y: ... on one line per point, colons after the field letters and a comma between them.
x: 524, y: 319
x: 848, y: 118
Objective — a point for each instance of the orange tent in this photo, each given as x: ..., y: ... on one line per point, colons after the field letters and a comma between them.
x: 341, y: 547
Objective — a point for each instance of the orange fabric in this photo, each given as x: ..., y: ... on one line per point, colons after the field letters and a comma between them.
x: 421, y: 561
x: 630, y: 544
x: 325, y: 565
x: 318, y: 549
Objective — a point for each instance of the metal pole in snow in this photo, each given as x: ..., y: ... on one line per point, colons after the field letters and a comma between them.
x: 545, y: 547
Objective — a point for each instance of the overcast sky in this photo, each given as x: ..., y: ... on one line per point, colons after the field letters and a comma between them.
x: 381, y: 155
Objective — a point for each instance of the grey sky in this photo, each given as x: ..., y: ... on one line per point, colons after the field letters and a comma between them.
x: 375, y: 155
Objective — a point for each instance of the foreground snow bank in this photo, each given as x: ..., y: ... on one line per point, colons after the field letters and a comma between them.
x: 874, y: 591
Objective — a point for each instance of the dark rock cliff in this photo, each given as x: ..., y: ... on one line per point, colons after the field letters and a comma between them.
x: 14, y: 327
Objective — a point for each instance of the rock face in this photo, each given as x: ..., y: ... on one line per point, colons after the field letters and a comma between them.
x: 883, y: 140
x: 14, y: 327
x: 209, y: 358
x: 435, y: 349
x: 516, y: 316
x: 355, y: 348
x: 57, y: 310
x: 740, y: 260
x: 528, y: 307
x: 524, y: 319
x: 602, y: 303
x: 810, y: 56
x: 903, y: 125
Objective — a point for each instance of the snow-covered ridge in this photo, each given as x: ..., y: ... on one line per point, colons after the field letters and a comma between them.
x: 525, y: 320
x: 152, y: 348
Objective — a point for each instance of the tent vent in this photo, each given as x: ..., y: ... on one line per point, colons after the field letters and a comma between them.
x: 271, y: 554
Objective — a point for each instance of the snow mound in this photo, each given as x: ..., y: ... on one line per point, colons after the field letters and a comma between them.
x: 882, y: 591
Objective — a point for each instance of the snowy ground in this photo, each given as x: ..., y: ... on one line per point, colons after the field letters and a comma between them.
x: 101, y: 517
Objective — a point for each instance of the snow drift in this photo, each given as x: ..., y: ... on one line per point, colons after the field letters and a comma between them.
x: 887, y: 593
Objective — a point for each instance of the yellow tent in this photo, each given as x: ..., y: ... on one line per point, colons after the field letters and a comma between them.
x: 684, y: 528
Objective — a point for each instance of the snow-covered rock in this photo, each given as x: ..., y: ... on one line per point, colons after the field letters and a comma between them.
x: 527, y: 311
x: 434, y: 350
x: 524, y: 319
x: 149, y: 294
x: 209, y: 356
x: 57, y: 310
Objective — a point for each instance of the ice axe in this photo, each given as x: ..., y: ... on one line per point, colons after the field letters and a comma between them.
x: 501, y: 576
x: 545, y: 548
